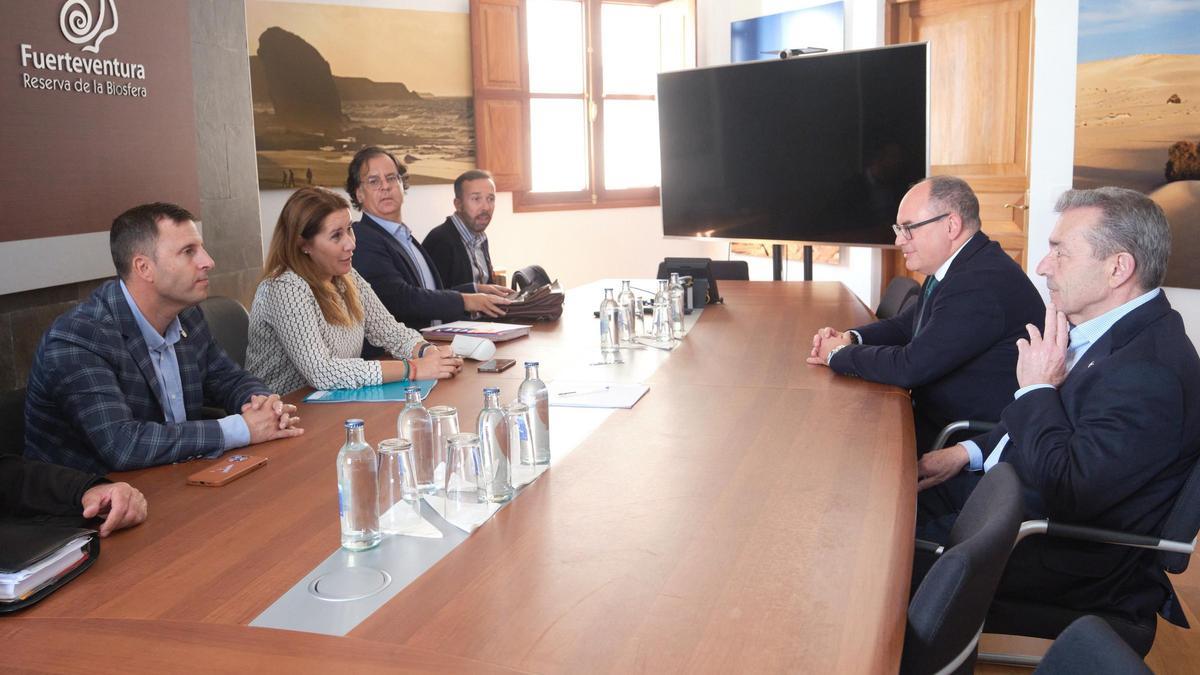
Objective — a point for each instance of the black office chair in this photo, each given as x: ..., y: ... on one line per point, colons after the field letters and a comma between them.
x: 1043, y: 620
x: 731, y: 270
x: 229, y: 324
x: 945, y: 615
x: 533, y: 274
x: 12, y: 422
x: 899, y: 294
x: 1090, y: 647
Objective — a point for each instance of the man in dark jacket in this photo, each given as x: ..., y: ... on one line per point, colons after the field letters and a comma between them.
x: 118, y: 382
x: 1105, y: 429
x: 459, y: 246
x: 400, y: 271
x: 956, y: 347
x: 30, y: 489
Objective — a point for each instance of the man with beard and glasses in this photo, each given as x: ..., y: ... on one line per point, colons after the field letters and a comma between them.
x: 118, y: 382
x: 459, y: 246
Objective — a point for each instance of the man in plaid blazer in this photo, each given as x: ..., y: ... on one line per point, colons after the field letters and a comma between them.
x: 118, y: 382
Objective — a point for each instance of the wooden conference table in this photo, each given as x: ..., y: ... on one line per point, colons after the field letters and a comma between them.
x: 751, y: 513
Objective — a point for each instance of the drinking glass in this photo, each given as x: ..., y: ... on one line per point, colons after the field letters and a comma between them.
x: 520, y: 443
x: 463, y: 466
x: 445, y: 425
x: 398, y: 505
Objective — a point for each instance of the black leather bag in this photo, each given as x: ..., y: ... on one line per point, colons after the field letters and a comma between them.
x: 534, y: 275
x: 536, y: 303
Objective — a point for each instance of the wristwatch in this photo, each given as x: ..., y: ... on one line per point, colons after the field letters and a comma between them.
x: 829, y: 358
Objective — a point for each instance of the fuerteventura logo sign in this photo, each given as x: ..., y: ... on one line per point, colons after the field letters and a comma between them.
x: 75, y: 22
x: 70, y: 72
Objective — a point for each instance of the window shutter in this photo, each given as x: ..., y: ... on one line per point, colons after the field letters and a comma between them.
x: 501, y: 80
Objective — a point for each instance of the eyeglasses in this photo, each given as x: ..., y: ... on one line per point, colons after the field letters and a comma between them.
x: 907, y: 229
x: 390, y: 180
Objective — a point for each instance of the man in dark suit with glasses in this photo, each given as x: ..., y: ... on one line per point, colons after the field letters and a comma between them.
x: 400, y: 270
x: 955, y: 348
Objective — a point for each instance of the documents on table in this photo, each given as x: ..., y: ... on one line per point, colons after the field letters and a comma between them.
x: 392, y: 391
x: 496, y: 332
x: 19, y: 584
x: 582, y: 394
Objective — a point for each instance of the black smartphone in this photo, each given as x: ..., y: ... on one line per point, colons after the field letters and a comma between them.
x: 496, y: 365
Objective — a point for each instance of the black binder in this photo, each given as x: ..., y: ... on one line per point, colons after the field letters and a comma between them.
x: 23, y: 545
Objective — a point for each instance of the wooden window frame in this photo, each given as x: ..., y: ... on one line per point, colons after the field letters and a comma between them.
x: 516, y: 143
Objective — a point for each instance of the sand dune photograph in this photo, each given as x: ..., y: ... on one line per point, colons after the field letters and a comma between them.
x: 1137, y: 111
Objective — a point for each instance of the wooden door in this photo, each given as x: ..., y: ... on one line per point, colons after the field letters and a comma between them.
x: 981, y: 54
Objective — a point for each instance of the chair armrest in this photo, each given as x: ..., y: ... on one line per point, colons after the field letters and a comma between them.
x: 928, y: 546
x: 949, y: 430
x: 1103, y: 536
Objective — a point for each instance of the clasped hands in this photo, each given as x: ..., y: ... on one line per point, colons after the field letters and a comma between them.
x: 269, y: 418
x: 826, y: 340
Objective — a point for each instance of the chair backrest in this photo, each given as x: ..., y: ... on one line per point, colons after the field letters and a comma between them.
x: 1089, y: 645
x: 1183, y: 522
x: 12, y: 422
x: 229, y: 324
x: 899, y: 294
x: 731, y: 270
x: 533, y: 274
x: 947, y: 611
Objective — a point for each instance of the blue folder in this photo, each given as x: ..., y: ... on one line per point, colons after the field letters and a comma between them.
x: 392, y: 391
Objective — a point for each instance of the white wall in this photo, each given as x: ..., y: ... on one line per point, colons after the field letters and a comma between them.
x: 860, y: 267
x: 574, y: 246
x: 580, y: 246
x: 1051, y: 122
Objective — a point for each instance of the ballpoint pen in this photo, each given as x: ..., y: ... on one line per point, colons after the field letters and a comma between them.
x: 583, y: 391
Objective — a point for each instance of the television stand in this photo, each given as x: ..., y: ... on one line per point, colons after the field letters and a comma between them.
x: 777, y: 262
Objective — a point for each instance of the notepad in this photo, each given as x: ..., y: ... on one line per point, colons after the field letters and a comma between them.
x: 496, y: 332
x: 381, y: 393
x: 573, y: 394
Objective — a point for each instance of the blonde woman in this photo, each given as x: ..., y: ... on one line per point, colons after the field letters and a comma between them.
x: 312, y: 309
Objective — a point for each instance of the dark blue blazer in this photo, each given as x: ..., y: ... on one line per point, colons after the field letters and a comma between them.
x: 446, y: 246
x: 1110, y: 448
x: 962, y: 363
x: 92, y: 401
x: 381, y: 260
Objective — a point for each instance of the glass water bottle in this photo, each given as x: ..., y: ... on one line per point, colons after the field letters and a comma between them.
x: 534, y: 394
x: 358, y: 503
x: 661, y: 319
x: 608, y: 323
x: 629, y: 317
x: 415, y: 425
x: 675, y: 295
x: 496, y: 481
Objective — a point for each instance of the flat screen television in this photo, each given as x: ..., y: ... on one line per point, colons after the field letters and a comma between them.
x: 815, y: 149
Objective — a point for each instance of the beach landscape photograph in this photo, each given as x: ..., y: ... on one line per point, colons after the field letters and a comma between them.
x: 1137, y: 112
x: 329, y: 79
